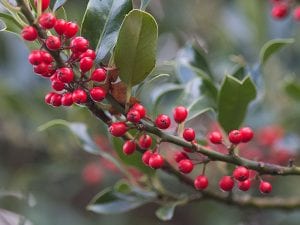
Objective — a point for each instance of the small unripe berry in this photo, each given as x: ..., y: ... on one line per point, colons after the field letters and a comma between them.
x: 235, y: 137
x: 140, y: 108
x: 226, y: 183
x: 45, y: 4
x: 71, y: 29
x: 244, y: 185
x: 29, y: 33
x: 35, y: 57
x: 156, y: 161
x: 180, y: 113
x: 265, y: 187
x: 129, y: 147
x: 97, y: 94
x: 201, y: 182
x: 98, y: 75
x: 146, y: 156
x: 65, y: 74
x: 57, y: 85
x: 247, y: 134
x: 88, y: 53
x: 53, y: 43
x: 145, y: 141
x: 79, y: 44
x: 296, y: 13
x: 60, y: 26
x: 215, y: 137
x: 189, y: 134
x: 241, y: 173
x: 67, y: 99
x: 279, y: 11
x: 56, y: 100
x: 163, y: 121
x: 79, y: 96
x: 178, y: 156
x: 186, y: 166
x: 133, y: 116
x: 86, y: 64
x: 118, y: 129
x: 47, y: 20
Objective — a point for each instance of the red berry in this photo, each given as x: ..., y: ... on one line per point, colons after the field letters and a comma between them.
x: 29, y: 33
x: 235, y: 137
x: 60, y: 26
x: 163, y: 121
x: 146, y: 156
x: 97, y: 94
x: 265, y: 187
x: 189, y: 134
x: 118, y: 129
x: 241, y: 173
x: 247, y: 134
x: 244, y: 185
x: 156, y: 161
x: 180, y: 113
x: 296, y: 13
x: 178, y: 156
x: 48, y: 97
x: 53, y: 43
x: 46, y: 57
x: 65, y: 74
x: 45, y: 4
x: 129, y: 147
x: 88, y: 53
x: 186, y: 166
x: 215, y: 137
x: 47, y: 20
x: 35, y: 57
x: 133, y: 116
x: 41, y: 69
x: 86, y: 64
x: 140, y: 108
x: 71, y: 29
x: 226, y: 183
x: 67, y: 99
x: 57, y: 85
x: 79, y: 44
x: 99, y: 75
x: 92, y: 174
x: 79, y: 96
x: 56, y: 100
x: 201, y: 182
x: 279, y: 11
x: 145, y: 141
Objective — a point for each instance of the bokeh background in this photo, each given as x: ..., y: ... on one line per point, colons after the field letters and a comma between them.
x: 50, y: 180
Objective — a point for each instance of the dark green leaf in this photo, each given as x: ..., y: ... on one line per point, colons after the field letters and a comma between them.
x: 271, y: 47
x: 58, y: 4
x: 102, y: 22
x: 239, y: 72
x: 144, y: 4
x: 234, y: 98
x: 135, y: 51
x: 292, y: 88
x: 8, y: 23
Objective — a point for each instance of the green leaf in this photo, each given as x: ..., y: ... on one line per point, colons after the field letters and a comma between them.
x: 102, y: 22
x: 233, y: 101
x: 135, y: 51
x: 198, y: 107
x: 271, y: 47
x: 144, y: 4
x: 292, y: 88
x: 58, y: 4
x: 9, y: 24
x: 134, y: 160
x: 166, y: 212
x: 239, y: 72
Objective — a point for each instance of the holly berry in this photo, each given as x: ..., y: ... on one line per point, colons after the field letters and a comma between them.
x: 241, y: 173
x: 163, y: 121
x: 35, y: 57
x: 88, y: 53
x: 86, y: 64
x: 129, y: 147
x: 60, y: 26
x: 186, y: 166
x: 47, y: 20
x: 53, y: 43
x: 46, y: 57
x: 296, y: 13
x: 189, y: 134
x: 247, y: 134
x: 48, y: 97
x: 79, y: 96
x: 67, y: 99
x: 140, y: 108
x: 215, y: 137
x: 226, y: 183
x: 56, y: 100
x: 29, y: 33
x: 92, y: 174
x: 178, y: 156
x: 279, y: 11
x: 79, y: 44
x: 145, y: 141
x: 97, y: 94
x: 201, y: 182
x: 45, y: 4
x: 57, y: 85
x: 156, y: 161
x: 98, y: 75
x: 146, y: 157
x: 265, y: 187
x: 118, y: 129
x: 133, y: 116
x: 41, y: 69
x: 71, y: 29
x: 65, y: 74
x: 244, y: 185
x: 235, y: 137
x: 180, y: 113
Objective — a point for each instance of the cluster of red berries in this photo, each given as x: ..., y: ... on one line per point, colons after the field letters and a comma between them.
x: 69, y: 87
x: 243, y: 135
x: 282, y: 8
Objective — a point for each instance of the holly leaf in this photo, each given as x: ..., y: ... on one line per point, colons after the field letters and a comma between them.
x: 9, y: 24
x: 233, y: 101
x: 135, y: 51
x: 292, y: 88
x: 58, y: 4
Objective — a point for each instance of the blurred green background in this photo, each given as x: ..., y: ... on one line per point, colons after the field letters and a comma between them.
x: 46, y: 167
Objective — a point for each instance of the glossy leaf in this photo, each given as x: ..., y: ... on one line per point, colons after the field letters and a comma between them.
x: 135, y: 51
x: 234, y: 98
x: 102, y: 22
x: 166, y: 212
x: 198, y: 107
x: 9, y: 24
x: 292, y: 88
x: 58, y: 4
x: 271, y: 47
